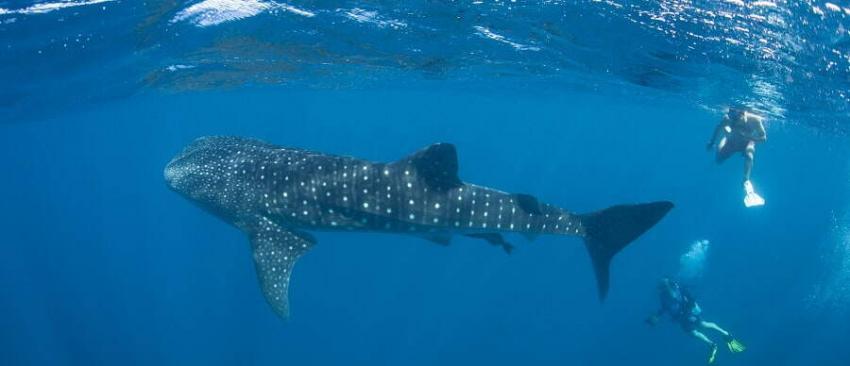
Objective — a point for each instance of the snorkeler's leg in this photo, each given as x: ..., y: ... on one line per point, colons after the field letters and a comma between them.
x: 751, y: 198
x: 749, y: 155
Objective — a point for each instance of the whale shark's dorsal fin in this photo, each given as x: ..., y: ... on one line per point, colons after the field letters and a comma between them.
x: 275, y: 251
x: 528, y: 203
x: 437, y: 166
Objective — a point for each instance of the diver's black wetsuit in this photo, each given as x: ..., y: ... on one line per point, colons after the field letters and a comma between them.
x: 681, y: 306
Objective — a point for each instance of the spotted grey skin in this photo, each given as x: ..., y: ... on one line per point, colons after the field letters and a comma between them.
x: 276, y: 195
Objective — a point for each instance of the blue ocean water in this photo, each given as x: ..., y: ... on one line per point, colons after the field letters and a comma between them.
x: 584, y: 104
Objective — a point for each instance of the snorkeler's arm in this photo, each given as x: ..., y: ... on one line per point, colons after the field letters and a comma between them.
x: 718, y: 131
x: 753, y: 128
x: 760, y: 134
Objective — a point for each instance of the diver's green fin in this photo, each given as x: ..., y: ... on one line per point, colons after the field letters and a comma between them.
x: 735, y: 346
x: 713, y: 355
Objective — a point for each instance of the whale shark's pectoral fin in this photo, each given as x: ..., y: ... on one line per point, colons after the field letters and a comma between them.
x: 495, y: 239
x: 275, y: 252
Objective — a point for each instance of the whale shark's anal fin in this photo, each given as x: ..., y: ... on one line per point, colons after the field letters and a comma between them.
x: 275, y: 252
x: 608, y: 231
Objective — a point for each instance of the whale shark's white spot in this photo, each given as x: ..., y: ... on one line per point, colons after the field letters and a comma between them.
x: 412, y: 216
x: 437, y: 205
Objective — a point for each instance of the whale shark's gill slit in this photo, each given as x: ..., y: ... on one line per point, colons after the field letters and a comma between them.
x: 275, y: 252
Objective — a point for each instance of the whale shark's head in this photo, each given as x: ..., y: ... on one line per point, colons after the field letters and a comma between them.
x: 207, y: 173
x: 188, y: 172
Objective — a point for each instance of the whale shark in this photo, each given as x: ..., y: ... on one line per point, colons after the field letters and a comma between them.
x: 278, y: 195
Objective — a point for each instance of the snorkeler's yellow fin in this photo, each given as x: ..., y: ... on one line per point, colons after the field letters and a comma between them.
x: 735, y: 346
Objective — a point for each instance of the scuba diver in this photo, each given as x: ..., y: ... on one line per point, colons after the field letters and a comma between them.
x: 683, y: 309
x: 739, y: 131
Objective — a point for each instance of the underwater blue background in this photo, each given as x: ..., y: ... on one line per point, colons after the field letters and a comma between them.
x: 102, y: 264
x: 582, y: 103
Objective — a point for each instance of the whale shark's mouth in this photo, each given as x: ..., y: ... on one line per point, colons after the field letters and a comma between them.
x: 176, y: 171
x: 171, y: 174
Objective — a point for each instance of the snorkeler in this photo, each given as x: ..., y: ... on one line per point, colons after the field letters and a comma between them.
x: 739, y: 131
x: 683, y: 309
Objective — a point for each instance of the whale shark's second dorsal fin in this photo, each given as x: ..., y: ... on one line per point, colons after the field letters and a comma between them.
x: 437, y: 166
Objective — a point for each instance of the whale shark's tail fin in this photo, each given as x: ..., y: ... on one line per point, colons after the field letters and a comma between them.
x: 608, y: 231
